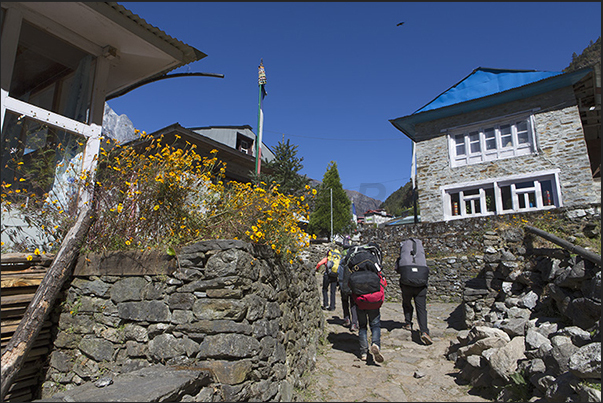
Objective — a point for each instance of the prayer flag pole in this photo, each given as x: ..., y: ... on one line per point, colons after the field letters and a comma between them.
x: 262, y: 94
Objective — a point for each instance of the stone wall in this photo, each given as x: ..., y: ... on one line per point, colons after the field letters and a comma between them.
x: 457, y: 251
x: 533, y: 317
x: 227, y: 307
x: 560, y: 141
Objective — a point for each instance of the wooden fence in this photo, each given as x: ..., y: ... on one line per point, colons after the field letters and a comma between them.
x: 20, y: 279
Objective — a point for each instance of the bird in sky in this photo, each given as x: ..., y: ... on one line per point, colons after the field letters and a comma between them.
x: 400, y: 24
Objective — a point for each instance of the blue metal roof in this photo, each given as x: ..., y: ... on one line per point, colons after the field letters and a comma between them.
x: 484, y: 88
x: 483, y: 82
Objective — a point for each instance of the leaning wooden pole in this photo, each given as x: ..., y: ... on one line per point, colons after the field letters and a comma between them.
x: 43, y: 300
x: 586, y: 254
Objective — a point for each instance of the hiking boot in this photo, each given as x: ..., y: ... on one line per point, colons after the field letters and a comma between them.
x: 407, y: 326
x: 426, y: 339
x: 363, y: 357
x: 354, y: 328
x: 346, y: 322
x: 376, y: 353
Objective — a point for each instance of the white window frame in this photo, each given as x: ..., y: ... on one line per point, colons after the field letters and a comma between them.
x: 497, y: 184
x: 474, y: 135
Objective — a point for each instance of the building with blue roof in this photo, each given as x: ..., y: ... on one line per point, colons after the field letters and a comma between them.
x: 504, y: 141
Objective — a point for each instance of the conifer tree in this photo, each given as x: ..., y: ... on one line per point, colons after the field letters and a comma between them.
x: 320, y: 218
x: 285, y: 169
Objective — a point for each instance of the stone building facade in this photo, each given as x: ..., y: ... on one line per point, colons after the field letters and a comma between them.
x: 561, y: 149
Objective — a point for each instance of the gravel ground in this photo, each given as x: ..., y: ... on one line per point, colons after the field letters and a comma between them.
x: 411, y: 372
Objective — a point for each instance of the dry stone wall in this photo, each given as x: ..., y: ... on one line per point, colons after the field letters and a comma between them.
x: 230, y: 310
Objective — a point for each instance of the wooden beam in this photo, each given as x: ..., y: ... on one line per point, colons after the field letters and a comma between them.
x: 586, y: 254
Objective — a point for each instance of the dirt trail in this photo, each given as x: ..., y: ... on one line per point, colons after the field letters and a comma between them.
x: 411, y: 372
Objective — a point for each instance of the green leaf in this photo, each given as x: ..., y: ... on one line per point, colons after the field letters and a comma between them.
x: 170, y: 251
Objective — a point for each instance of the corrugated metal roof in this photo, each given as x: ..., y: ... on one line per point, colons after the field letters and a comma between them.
x: 191, y: 54
x: 486, y: 81
x: 465, y: 99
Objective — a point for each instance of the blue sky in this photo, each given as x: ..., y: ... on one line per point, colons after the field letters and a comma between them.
x: 337, y: 72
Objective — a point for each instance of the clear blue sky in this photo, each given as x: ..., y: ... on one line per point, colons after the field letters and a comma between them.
x: 337, y: 72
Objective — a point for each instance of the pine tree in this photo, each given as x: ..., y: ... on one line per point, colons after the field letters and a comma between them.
x: 320, y: 218
x: 285, y: 169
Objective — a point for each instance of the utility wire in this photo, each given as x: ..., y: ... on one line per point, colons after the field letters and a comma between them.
x: 332, y: 139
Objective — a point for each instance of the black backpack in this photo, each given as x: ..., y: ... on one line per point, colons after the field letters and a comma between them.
x: 411, y: 264
x: 361, y: 268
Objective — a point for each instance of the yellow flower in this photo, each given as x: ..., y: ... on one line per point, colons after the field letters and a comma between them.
x: 29, y: 257
x: 156, y: 207
x: 128, y: 242
x: 37, y: 251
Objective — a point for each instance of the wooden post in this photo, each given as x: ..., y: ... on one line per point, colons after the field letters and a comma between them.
x: 586, y: 254
x: 43, y: 300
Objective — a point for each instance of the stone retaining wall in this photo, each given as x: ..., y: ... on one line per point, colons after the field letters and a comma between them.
x: 457, y: 250
x: 225, y: 307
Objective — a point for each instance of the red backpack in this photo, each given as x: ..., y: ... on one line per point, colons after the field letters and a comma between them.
x: 373, y: 300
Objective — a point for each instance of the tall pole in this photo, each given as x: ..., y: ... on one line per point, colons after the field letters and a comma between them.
x: 262, y: 94
x: 414, y: 184
x: 331, y: 189
x: 258, y: 141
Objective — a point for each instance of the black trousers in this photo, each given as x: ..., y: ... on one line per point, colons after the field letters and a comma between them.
x: 419, y: 295
x: 326, y: 283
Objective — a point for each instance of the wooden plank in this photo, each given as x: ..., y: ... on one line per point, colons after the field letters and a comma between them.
x: 22, y: 281
x: 16, y: 299
x: 125, y: 263
x: 45, y: 259
x: 43, y: 301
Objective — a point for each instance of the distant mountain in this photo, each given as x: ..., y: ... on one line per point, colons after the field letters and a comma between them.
x: 361, y: 202
x: 118, y: 127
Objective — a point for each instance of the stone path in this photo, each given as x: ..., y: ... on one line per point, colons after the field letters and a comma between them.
x: 411, y: 372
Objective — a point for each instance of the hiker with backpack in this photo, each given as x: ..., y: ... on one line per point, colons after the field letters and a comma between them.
x: 350, y: 317
x: 414, y: 278
x: 367, y: 284
x: 331, y: 263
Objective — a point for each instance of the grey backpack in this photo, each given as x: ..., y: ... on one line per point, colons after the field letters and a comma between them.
x: 411, y: 264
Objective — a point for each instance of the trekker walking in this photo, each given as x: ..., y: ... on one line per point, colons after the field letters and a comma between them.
x: 367, y: 284
x: 414, y: 278
x: 350, y: 317
x: 329, y: 280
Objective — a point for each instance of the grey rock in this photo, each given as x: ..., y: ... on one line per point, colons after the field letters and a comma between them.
x: 535, y: 339
x: 151, y: 311
x: 97, y: 349
x: 128, y: 289
x: 229, y: 346
x: 586, y: 362
x: 557, y: 358
x: 504, y: 360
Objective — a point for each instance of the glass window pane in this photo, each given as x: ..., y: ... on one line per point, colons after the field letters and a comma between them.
x: 490, y: 200
x: 40, y: 162
x: 454, y: 199
x: 460, y: 144
x: 547, y: 192
x: 474, y: 142
x: 505, y: 136
x: 52, y: 74
x: 522, y: 132
x: 506, y: 197
x: 490, y: 136
x: 524, y: 185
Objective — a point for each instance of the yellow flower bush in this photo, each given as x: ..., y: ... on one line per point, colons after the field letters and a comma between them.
x: 166, y: 195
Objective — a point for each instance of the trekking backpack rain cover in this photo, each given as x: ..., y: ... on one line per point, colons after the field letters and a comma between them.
x: 333, y: 261
x: 373, y: 300
x: 412, y: 265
